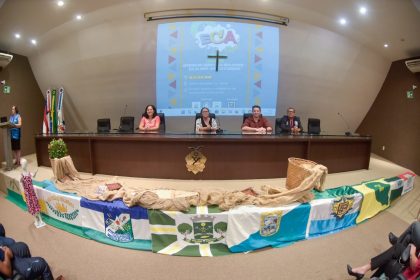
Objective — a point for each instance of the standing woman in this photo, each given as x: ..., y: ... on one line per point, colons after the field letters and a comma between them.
x: 15, y: 133
x: 150, y: 120
x: 205, y: 123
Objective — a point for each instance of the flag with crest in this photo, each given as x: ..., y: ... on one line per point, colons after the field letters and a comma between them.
x: 198, y: 232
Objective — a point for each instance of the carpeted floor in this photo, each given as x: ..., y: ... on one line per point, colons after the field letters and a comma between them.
x: 321, y: 258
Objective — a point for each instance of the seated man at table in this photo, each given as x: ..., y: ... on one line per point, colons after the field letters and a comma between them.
x: 256, y: 123
x: 290, y: 123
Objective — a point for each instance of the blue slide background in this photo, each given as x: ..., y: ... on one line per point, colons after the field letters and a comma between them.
x: 186, y: 79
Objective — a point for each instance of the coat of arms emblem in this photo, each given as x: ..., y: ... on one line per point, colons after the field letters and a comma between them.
x: 195, y: 160
x: 341, y: 206
x: 203, y: 230
x: 270, y: 223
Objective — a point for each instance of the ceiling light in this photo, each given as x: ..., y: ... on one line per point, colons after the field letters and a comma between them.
x: 60, y: 3
x: 78, y: 17
x: 386, y: 45
x: 17, y: 35
x: 362, y: 10
x: 33, y: 41
x: 343, y: 21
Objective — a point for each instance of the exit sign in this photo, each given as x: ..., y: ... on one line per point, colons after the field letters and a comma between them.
x: 7, y: 89
x: 410, y: 94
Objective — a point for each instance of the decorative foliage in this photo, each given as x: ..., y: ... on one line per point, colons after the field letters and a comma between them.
x: 221, y: 228
x: 57, y: 149
x: 185, y: 229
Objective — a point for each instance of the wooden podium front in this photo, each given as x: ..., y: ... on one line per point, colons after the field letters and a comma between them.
x: 228, y: 156
x: 7, y: 145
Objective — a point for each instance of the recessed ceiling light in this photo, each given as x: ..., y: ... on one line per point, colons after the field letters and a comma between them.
x: 78, y: 17
x: 17, y: 35
x: 33, y: 42
x: 386, y: 45
x: 60, y: 3
x: 362, y: 10
x: 343, y: 21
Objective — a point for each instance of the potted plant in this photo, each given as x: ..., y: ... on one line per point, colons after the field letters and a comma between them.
x: 57, y: 149
x: 61, y: 163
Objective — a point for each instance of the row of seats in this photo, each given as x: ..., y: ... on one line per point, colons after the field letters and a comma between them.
x: 127, y: 124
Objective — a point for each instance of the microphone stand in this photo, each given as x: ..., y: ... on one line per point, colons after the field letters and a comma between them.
x: 347, y: 133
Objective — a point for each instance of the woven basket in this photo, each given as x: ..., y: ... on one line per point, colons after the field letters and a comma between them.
x: 297, y: 171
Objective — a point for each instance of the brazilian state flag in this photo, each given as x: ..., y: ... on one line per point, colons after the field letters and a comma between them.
x: 397, y: 185
x: 333, y: 210
x: 376, y: 198
x: 251, y: 228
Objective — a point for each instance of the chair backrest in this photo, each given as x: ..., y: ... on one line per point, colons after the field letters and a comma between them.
x: 198, y: 115
x: 162, y: 126
x: 104, y: 125
x: 246, y: 115
x: 314, y: 126
x: 277, y: 127
x: 127, y: 124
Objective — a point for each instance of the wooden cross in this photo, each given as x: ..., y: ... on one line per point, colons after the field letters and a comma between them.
x: 217, y: 57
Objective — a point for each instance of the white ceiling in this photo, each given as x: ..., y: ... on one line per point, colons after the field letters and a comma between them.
x: 396, y: 22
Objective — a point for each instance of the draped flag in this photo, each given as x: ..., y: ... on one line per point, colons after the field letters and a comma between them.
x: 53, y: 120
x: 47, y: 114
x: 60, y: 117
x: 397, y: 186
x: 252, y: 227
x: 376, y: 197
x: 64, y: 208
x: 408, y: 178
x: 114, y: 221
x: 199, y: 232
x: 45, y: 121
x: 333, y: 210
x: 54, y: 111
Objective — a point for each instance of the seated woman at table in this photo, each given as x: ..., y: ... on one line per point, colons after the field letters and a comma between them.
x: 150, y: 120
x: 205, y: 123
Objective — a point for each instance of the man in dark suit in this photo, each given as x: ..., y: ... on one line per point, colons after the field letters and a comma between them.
x: 290, y: 123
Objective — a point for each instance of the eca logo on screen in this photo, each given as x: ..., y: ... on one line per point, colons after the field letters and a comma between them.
x: 217, y: 37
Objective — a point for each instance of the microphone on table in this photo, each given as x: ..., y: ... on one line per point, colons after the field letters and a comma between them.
x: 347, y: 133
x: 219, y: 130
x: 125, y: 110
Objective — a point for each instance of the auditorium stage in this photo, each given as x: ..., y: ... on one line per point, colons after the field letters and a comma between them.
x: 91, y: 214
x: 378, y: 168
